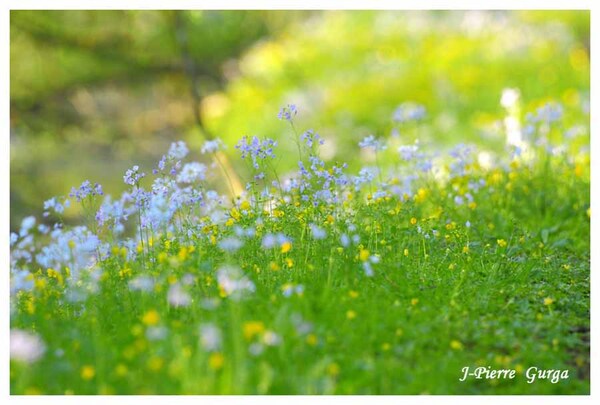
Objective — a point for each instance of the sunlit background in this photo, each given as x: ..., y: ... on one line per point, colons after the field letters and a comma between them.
x: 94, y: 92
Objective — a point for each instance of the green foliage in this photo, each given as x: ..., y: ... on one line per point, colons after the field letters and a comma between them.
x: 366, y: 294
x: 95, y: 85
x: 109, y: 87
x: 351, y: 70
x: 384, y: 277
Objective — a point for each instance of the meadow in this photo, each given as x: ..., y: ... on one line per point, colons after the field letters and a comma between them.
x: 387, y: 279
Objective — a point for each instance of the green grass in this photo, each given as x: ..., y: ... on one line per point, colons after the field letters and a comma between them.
x: 509, y: 291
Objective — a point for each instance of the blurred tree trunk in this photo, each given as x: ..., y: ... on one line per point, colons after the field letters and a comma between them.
x: 227, y: 170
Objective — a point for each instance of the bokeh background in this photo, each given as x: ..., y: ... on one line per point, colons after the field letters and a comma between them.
x: 94, y: 92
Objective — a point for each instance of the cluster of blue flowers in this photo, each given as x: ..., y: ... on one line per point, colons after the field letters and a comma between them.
x: 372, y: 142
x: 258, y: 150
x: 180, y: 187
x: 84, y: 191
x: 409, y: 111
x: 133, y: 176
x: 311, y: 138
x: 288, y: 112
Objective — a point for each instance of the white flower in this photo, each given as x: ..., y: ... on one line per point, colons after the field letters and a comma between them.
x: 178, y: 297
x: 509, y: 98
x: 408, y: 152
x: 233, y: 282
x: 154, y: 333
x: 371, y: 142
x: 212, y: 146
x: 191, y: 172
x: 210, y: 337
x: 271, y: 338
x: 26, y: 225
x: 25, y: 346
x: 231, y: 244
x: 178, y: 150
x: 141, y: 283
x: 317, y: 232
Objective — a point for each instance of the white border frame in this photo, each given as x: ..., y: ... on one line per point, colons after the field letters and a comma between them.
x: 591, y: 5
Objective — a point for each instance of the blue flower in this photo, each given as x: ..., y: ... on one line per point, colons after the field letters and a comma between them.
x: 54, y: 205
x: 310, y: 137
x: 26, y: 225
x: 231, y: 244
x: 288, y: 112
x: 256, y: 149
x: 86, y: 190
x: 549, y: 113
x: 212, y: 146
x: 76, y: 248
x: 133, y: 176
x: 317, y: 232
x: 178, y: 150
x: 191, y: 172
x: 409, y: 111
x: 371, y: 142
x: 408, y: 152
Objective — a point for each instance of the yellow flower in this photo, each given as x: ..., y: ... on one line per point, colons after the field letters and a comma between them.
x: 163, y: 257
x: 289, y: 263
x: 413, y: 221
x: 286, y: 247
x: 56, y: 275
x: 155, y: 363
x: 252, y: 328
x: 311, y: 339
x: 414, y: 301
x: 245, y: 205
x: 465, y: 249
x: 125, y: 272
x: 235, y: 214
x: 364, y: 255
x: 183, y: 254
x: 186, y: 351
x: 406, y: 252
x: 330, y: 219
x: 40, y: 283
x: 501, y: 242
x: 350, y: 314
x: 353, y: 294
x: 456, y: 345
x: 548, y: 301
x: 216, y: 360
x: 421, y: 195
x: 121, y: 370
x: 151, y: 318
x: 333, y: 369
x: 87, y: 372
